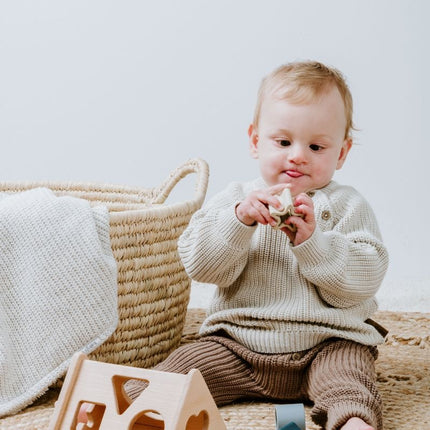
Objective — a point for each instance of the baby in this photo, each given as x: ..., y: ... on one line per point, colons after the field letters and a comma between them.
x: 290, y: 318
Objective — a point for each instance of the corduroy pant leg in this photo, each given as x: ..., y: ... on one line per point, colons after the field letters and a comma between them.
x: 226, y: 375
x: 341, y: 381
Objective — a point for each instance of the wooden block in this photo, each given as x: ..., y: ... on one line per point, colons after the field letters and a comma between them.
x: 170, y: 401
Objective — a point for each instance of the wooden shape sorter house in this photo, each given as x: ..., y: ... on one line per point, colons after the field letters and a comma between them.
x: 169, y: 401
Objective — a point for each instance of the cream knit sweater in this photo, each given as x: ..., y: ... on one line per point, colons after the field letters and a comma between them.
x: 277, y: 298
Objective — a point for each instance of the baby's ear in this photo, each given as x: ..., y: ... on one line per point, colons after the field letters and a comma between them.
x: 253, y: 141
x: 346, y: 146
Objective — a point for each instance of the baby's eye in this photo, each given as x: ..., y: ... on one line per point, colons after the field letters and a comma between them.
x: 315, y: 147
x: 284, y: 142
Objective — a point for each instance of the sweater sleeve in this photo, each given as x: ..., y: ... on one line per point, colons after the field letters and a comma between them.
x: 214, y: 247
x: 348, y: 262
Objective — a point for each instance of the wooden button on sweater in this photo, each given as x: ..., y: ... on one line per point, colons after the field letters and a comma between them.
x: 325, y: 215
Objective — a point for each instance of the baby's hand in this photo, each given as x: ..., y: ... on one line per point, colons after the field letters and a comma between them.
x: 304, y: 205
x: 255, y: 207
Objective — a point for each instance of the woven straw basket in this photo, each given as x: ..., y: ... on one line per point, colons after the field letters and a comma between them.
x: 153, y: 288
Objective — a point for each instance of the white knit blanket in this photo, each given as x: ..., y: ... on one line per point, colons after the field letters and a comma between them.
x: 58, y: 289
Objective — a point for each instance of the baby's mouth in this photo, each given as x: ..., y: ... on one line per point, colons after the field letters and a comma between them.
x: 293, y: 173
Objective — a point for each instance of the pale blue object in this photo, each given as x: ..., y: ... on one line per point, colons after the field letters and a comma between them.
x: 290, y: 416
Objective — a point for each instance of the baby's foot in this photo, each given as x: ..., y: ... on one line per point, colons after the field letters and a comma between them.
x: 356, y: 424
x: 82, y: 414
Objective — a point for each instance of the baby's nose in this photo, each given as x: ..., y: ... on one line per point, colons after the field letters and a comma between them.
x: 297, y: 154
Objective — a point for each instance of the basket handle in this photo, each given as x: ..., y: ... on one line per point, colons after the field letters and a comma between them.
x: 194, y: 165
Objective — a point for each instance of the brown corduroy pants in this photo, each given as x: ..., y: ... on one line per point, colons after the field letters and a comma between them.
x: 338, y: 376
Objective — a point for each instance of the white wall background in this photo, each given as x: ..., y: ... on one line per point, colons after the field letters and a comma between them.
x: 124, y: 91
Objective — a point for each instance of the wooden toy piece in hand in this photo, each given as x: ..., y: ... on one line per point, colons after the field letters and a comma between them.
x: 287, y: 210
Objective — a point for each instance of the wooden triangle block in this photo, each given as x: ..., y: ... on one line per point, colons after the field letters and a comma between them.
x: 170, y: 401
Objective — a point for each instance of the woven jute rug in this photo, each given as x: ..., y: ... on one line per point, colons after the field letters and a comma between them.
x: 403, y: 369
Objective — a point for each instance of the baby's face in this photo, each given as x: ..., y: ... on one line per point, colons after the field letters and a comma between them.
x: 300, y: 144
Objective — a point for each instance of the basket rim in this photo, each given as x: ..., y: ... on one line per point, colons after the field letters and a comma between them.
x: 143, y: 199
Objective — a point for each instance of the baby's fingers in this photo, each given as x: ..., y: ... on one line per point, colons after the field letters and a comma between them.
x: 260, y: 213
x: 304, y: 205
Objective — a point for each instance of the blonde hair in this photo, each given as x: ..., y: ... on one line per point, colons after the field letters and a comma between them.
x: 302, y: 82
